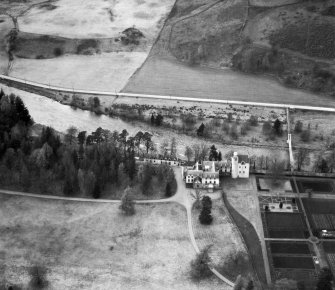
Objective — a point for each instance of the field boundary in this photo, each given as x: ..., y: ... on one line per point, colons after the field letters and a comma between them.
x: 8, y: 80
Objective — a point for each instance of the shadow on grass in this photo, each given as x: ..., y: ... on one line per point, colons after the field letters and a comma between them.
x: 251, y: 239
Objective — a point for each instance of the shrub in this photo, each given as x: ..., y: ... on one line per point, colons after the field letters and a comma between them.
x: 38, y: 277
x: 305, y: 136
x: 58, y: 51
x: 127, y: 203
x: 200, y: 266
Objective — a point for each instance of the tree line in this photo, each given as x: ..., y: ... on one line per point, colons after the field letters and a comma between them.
x: 75, y: 163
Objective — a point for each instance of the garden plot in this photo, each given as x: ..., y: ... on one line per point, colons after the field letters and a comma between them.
x: 320, y: 213
x: 316, y: 185
x: 87, y: 19
x: 292, y: 260
x: 284, y: 225
x: 268, y: 184
x: 90, y: 246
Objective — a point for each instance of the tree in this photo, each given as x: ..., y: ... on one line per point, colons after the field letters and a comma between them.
x: 147, y: 141
x: 70, y: 136
x: 213, y: 154
x: 302, y: 158
x: 325, y: 279
x: 233, y: 132
x: 25, y: 178
x: 173, y: 148
x: 267, y: 128
x: 206, y: 202
x: 196, y: 150
x: 305, y: 136
x: 127, y: 203
x: 230, y: 117
x: 197, y: 196
x: 81, y: 137
x: 253, y: 120
x: 200, y: 131
x: 38, y: 278
x: 96, y: 191
x: 250, y: 285
x: 200, y: 266
x: 188, y: 153
x: 205, y: 216
x: 277, y: 127
x: 168, y: 191
x: 298, y: 127
x: 203, y: 151
x: 277, y: 169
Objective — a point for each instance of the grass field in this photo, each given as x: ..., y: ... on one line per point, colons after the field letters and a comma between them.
x: 227, y: 250
x: 93, y: 246
x: 104, y: 72
x: 168, y: 77
x: 82, y: 19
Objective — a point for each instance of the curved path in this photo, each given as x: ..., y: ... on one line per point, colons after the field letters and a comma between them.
x: 8, y: 79
x: 181, y: 197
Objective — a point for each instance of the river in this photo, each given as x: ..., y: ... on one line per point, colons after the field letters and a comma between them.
x: 48, y: 112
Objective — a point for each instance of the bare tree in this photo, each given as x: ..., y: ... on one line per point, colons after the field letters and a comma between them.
x: 188, y: 153
x: 302, y: 158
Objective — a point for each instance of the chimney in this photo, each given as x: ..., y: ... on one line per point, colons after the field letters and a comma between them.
x: 213, y: 166
x: 197, y: 166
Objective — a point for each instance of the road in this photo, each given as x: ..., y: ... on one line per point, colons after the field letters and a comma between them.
x: 175, y: 98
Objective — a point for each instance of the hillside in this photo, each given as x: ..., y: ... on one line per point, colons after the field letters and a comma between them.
x: 292, y: 40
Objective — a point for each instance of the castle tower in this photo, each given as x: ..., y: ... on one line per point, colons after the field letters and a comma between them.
x: 234, y: 166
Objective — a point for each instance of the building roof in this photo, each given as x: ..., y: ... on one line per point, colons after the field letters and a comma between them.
x: 208, y: 174
x: 194, y: 172
x: 243, y: 158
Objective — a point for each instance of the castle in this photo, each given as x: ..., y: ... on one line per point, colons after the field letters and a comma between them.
x: 207, y: 174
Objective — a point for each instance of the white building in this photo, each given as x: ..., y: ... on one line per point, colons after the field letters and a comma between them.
x: 207, y: 174
x: 240, y: 166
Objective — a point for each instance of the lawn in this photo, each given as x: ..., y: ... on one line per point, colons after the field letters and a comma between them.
x: 227, y: 250
x: 90, y: 246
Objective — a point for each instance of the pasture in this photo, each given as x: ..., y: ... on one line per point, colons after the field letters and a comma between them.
x: 93, y: 246
x: 85, y: 19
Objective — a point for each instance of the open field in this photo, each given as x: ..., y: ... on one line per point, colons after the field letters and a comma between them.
x: 85, y: 246
x: 227, y: 250
x: 168, y: 77
x: 82, y: 19
x: 5, y: 26
x: 107, y: 71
